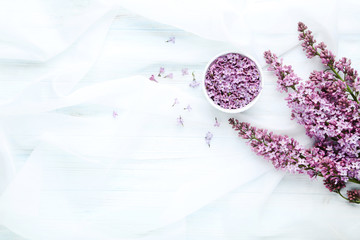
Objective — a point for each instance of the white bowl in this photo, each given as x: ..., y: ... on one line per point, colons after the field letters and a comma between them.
x: 250, y: 104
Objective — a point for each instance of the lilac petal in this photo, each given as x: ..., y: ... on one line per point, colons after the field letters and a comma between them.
x: 208, y: 138
x: 170, y: 75
x: 184, y: 71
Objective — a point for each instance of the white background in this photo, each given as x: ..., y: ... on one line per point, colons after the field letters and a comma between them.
x: 72, y: 171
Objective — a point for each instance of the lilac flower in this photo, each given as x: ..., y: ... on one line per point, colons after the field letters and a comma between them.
x: 217, y: 124
x: 170, y: 75
x: 286, y: 76
x: 284, y: 152
x: 176, y: 101
x: 208, y: 138
x: 152, y: 78
x: 350, y: 76
x: 184, y: 71
x: 194, y: 83
x: 180, y: 121
x: 114, y: 114
x: 232, y: 81
x: 161, y: 71
x: 188, y: 108
x: 171, y: 39
x: 354, y: 195
x: 301, y: 27
x: 327, y: 106
x: 309, y: 41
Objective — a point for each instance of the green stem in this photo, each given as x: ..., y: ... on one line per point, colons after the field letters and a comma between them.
x: 354, y: 180
x: 338, y: 192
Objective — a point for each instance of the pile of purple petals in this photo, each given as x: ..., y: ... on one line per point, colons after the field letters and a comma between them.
x: 232, y: 81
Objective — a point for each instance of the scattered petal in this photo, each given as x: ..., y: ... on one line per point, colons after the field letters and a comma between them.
x: 170, y: 75
x: 188, y: 108
x: 194, y: 84
x: 217, y: 124
x: 208, y: 138
x: 176, y: 101
x: 180, y: 120
x: 161, y: 71
x: 171, y: 39
x: 185, y: 71
x: 115, y: 114
x: 152, y: 78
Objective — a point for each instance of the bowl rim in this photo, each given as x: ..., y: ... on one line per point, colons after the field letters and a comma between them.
x: 249, y: 105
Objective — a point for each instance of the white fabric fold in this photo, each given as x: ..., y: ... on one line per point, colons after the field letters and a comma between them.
x: 114, y: 176
x: 38, y: 30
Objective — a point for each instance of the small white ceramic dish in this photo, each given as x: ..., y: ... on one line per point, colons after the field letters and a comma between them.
x: 238, y: 110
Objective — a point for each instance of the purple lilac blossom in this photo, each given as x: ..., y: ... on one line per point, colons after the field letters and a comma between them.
x: 322, y: 106
x: 342, y: 66
x: 217, y: 124
x: 232, y: 81
x: 184, y: 71
x: 152, y: 78
x: 114, y: 114
x: 161, y: 71
x: 286, y: 76
x: 176, y: 101
x: 180, y: 121
x: 208, y: 138
x: 354, y: 195
x: 171, y: 39
x: 188, y: 107
x: 170, y: 75
x: 284, y: 152
x: 194, y: 83
x: 327, y: 106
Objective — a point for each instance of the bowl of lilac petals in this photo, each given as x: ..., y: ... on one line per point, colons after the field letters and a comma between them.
x: 232, y: 82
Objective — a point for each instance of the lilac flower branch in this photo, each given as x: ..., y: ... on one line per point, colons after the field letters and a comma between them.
x: 327, y: 58
x: 283, y: 152
x: 286, y: 76
x: 328, y: 109
x: 287, y: 154
x: 353, y: 196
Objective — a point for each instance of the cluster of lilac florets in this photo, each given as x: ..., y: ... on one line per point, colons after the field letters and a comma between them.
x: 327, y: 106
x: 284, y: 152
x: 354, y: 195
x: 232, y: 81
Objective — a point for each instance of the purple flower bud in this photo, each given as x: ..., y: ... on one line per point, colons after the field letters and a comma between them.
x: 301, y: 27
x: 152, y: 78
x: 354, y: 195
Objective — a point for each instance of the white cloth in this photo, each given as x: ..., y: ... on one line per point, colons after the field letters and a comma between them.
x: 90, y: 175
